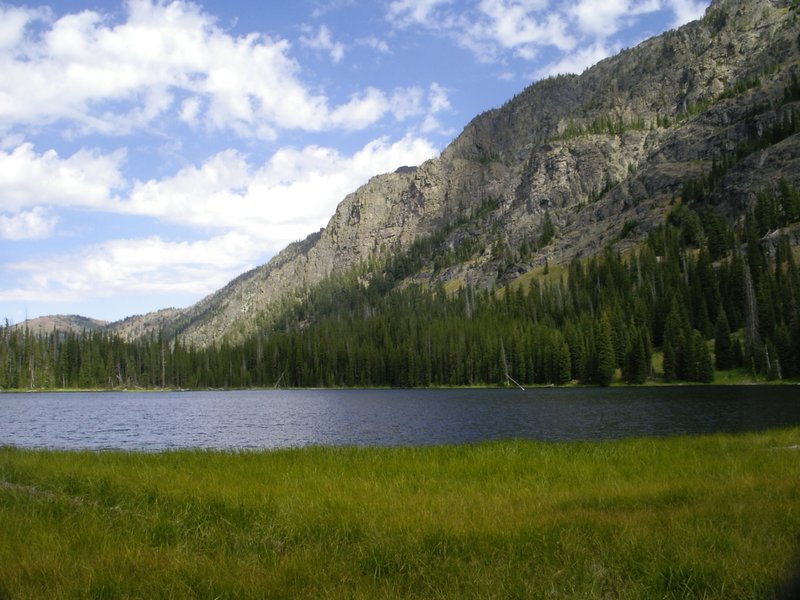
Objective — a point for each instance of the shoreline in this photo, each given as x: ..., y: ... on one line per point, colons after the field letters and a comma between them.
x: 649, y: 384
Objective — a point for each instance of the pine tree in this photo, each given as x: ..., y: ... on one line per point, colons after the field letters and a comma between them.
x: 752, y: 337
x: 704, y: 367
x: 670, y: 362
x: 783, y: 349
x: 637, y: 361
x: 564, y: 365
x: 723, y: 347
x: 548, y: 230
x: 605, y: 353
x: 677, y: 345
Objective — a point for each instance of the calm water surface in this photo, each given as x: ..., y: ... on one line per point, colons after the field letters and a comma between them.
x: 274, y: 419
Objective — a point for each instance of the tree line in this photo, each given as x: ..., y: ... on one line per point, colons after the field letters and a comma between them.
x: 700, y: 293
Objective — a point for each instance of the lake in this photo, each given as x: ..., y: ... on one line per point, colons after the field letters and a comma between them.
x: 291, y: 418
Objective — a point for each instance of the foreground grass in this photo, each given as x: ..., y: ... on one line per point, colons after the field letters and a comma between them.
x: 710, y: 517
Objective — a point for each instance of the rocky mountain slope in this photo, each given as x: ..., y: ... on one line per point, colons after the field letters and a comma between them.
x: 568, y: 166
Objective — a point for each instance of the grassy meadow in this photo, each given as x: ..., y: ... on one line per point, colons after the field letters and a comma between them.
x: 702, y: 517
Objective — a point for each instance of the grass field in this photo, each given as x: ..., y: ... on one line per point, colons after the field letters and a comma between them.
x: 706, y: 517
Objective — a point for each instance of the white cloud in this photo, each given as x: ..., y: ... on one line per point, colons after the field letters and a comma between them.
x: 146, y: 266
x: 402, y: 104
x: 252, y: 210
x: 489, y: 28
x: 85, y: 179
x: 578, y: 61
x: 10, y: 142
x: 438, y: 101
x: 80, y: 69
x: 324, y: 41
x: 605, y: 19
x: 518, y: 24
x: 361, y: 110
x: 600, y: 18
x: 257, y: 210
x: 323, y: 8
x: 406, y: 12
x: 27, y: 225
x: 374, y: 43
x: 283, y: 200
x: 438, y: 98
x: 13, y: 21
x: 687, y: 10
x: 580, y: 31
x: 190, y: 109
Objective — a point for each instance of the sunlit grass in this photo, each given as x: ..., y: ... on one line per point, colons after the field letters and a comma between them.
x: 710, y: 517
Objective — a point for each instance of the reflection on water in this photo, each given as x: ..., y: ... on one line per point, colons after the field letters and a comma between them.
x: 278, y: 418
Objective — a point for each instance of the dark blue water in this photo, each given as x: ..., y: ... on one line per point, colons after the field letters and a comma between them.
x: 275, y: 419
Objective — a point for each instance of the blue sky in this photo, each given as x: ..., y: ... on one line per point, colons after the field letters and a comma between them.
x: 151, y: 151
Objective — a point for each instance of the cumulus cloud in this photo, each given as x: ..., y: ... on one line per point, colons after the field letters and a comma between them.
x: 604, y: 19
x: 323, y: 41
x: 87, y: 178
x: 294, y: 193
x: 13, y: 21
x: 687, y: 10
x: 27, y: 225
x: 146, y: 266
x: 521, y: 25
x: 249, y: 211
x: 79, y: 69
x: 581, y: 32
x: 576, y: 62
x: 438, y: 101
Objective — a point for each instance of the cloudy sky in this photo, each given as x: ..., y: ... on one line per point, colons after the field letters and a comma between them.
x: 150, y: 151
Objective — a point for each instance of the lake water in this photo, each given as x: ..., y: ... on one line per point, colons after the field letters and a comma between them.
x: 279, y: 418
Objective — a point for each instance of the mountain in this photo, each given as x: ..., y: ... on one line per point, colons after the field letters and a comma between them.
x: 66, y: 323
x: 706, y: 114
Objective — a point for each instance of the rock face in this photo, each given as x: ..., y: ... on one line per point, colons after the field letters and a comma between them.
x: 591, y: 154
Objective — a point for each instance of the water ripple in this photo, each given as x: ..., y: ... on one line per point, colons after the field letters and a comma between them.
x: 277, y: 418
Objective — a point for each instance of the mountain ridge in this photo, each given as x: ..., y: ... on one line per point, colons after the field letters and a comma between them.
x: 590, y: 156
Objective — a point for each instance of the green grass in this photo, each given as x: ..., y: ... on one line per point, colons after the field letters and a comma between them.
x: 706, y: 517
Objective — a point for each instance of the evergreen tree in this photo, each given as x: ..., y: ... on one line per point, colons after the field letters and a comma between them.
x: 752, y: 336
x: 637, y: 364
x: 548, y: 230
x: 564, y: 365
x: 704, y: 370
x: 670, y: 362
x: 772, y: 367
x: 784, y: 351
x: 606, y: 364
x: 723, y: 346
x: 676, y: 345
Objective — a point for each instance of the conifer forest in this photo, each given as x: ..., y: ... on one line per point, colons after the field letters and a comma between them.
x: 706, y: 295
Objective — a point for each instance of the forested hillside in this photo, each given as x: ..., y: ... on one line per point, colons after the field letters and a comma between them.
x: 637, y: 222
x: 701, y: 292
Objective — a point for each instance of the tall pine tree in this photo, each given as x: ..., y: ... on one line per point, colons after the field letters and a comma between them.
x: 606, y: 356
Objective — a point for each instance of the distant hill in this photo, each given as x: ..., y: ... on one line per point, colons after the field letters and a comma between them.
x: 65, y: 323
